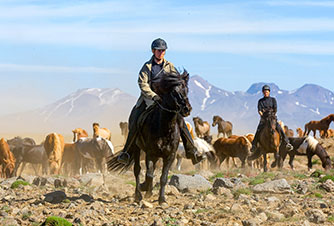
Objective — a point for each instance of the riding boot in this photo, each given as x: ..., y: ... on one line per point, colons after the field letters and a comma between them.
x: 124, y: 156
x: 189, y: 146
x: 285, y: 139
x: 256, y: 136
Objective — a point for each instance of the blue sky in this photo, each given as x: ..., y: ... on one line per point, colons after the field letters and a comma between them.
x: 49, y: 49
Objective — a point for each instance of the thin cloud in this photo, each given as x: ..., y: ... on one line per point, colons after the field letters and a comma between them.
x: 58, y: 69
x: 301, y: 3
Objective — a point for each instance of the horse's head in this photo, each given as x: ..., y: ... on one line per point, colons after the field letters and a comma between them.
x: 173, y: 89
x: 198, y: 120
x: 271, y: 120
x: 216, y: 119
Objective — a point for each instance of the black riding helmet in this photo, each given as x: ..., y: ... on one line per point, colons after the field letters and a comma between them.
x: 159, y: 44
x: 265, y: 87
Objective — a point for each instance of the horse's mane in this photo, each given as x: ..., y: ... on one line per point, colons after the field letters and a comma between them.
x: 312, y: 142
x: 328, y: 118
x: 218, y: 118
x: 166, y: 81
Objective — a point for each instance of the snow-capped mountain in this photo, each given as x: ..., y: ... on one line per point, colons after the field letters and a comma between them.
x: 110, y: 106
x: 295, y: 108
x: 79, y: 109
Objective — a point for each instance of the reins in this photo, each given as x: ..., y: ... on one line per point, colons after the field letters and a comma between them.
x: 168, y: 110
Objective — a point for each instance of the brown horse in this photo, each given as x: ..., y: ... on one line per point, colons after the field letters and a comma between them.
x: 54, y: 147
x: 202, y: 128
x: 269, y: 140
x: 7, y: 160
x: 321, y: 125
x: 124, y: 129
x: 232, y: 147
x: 299, y: 132
x: 224, y: 127
x: 288, y: 132
x: 101, y: 132
x: 70, y: 160
x: 79, y: 133
x: 330, y: 134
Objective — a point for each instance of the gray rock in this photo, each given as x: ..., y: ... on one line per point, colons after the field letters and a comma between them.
x: 276, y: 186
x: 55, y: 197
x: 302, y: 188
x: 186, y: 182
x: 92, y: 179
x: 328, y: 185
x: 250, y: 222
x: 275, y: 215
x: 223, y: 182
x: 316, y: 216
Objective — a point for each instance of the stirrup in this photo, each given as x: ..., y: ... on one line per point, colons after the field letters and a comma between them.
x: 123, y: 158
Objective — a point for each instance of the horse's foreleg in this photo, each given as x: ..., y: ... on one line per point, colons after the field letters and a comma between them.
x: 276, y: 160
x: 136, y: 170
x: 149, y: 177
x: 265, y: 169
x: 309, y: 161
x: 22, y: 168
x: 291, y: 160
x: 167, y: 162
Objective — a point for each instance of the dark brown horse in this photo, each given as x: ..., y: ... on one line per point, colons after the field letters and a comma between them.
x: 306, y: 146
x: 269, y: 140
x: 224, y: 127
x: 321, y: 125
x: 159, y: 134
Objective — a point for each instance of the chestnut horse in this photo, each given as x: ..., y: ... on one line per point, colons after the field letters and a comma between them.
x: 224, y: 127
x: 202, y: 128
x: 299, y: 132
x: 321, y: 125
x: 238, y: 146
x: 101, y: 132
x: 7, y: 160
x: 269, y: 140
x: 79, y: 133
x: 54, y: 147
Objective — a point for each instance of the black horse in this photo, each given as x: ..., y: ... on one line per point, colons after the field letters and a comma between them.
x: 159, y: 134
x: 95, y: 149
x: 306, y: 146
x: 26, y: 151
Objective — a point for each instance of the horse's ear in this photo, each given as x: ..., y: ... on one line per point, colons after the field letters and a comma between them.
x: 185, y: 76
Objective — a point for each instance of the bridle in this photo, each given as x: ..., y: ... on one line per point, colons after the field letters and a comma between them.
x: 178, y: 107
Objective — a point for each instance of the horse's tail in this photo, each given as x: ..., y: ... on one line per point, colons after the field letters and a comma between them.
x: 255, y: 155
x: 305, y: 129
x: 114, y: 165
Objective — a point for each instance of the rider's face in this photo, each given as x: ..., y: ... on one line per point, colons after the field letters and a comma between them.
x: 159, y: 53
x: 266, y: 93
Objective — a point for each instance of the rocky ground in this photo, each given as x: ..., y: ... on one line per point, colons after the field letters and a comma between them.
x: 225, y: 197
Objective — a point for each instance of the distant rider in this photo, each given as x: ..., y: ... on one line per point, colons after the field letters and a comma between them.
x: 266, y: 104
x: 152, y: 68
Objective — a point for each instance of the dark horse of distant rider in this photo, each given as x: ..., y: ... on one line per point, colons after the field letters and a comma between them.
x: 268, y: 104
x: 150, y: 70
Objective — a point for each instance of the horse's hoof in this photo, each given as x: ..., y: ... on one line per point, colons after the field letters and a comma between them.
x: 273, y: 165
x: 143, y: 186
x: 163, y: 202
x: 148, y: 195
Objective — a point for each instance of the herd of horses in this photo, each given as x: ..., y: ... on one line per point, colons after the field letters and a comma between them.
x: 159, y: 138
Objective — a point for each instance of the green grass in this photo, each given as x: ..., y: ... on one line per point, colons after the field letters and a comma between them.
x: 256, y: 181
x: 327, y: 177
x: 170, y: 222
x: 133, y: 183
x: 5, y: 208
x: 330, y: 218
x: 201, y: 211
x: 245, y: 191
x: 17, y: 183
x: 317, y: 173
x: 26, y: 216
x: 57, y: 221
x: 316, y: 162
x: 190, y: 172
x: 318, y: 195
x: 300, y: 176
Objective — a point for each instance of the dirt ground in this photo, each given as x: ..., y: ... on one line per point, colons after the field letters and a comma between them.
x: 112, y: 203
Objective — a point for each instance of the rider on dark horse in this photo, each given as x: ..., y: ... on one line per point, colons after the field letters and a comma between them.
x: 150, y: 70
x: 265, y: 105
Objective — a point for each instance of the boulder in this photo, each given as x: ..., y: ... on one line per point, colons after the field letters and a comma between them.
x: 55, y: 197
x: 185, y: 182
x: 276, y: 186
